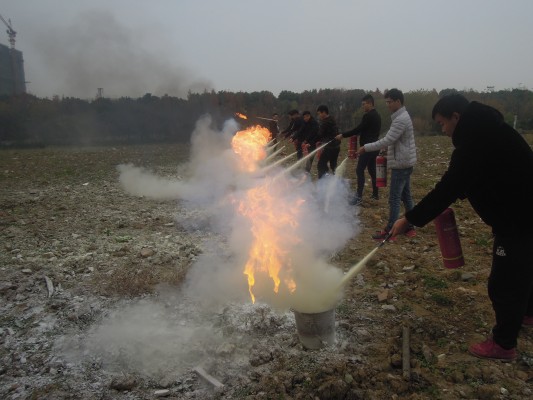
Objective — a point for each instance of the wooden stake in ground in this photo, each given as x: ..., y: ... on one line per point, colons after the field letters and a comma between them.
x: 406, y: 355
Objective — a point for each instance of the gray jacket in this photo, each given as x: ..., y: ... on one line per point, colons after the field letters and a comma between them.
x: 400, y: 140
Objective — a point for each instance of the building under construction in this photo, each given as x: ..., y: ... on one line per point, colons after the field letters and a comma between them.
x: 12, y: 80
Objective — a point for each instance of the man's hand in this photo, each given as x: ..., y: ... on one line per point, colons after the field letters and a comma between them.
x: 339, y: 136
x: 361, y: 150
x: 399, y: 227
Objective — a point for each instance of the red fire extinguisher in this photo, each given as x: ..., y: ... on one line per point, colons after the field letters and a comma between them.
x: 381, y: 171
x: 318, y: 144
x: 449, y: 242
x: 352, y: 148
x: 305, y: 148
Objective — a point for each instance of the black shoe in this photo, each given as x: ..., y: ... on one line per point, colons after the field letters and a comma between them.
x: 356, y: 201
x: 375, y: 197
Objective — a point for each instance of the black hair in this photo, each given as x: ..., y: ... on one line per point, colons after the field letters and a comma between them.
x: 368, y: 98
x: 394, y: 94
x: 322, y: 108
x: 306, y: 113
x: 293, y: 112
x: 449, y: 104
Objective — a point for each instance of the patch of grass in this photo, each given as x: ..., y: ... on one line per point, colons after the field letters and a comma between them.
x: 432, y: 391
x: 123, y: 239
x: 441, y: 299
x: 434, y: 283
x: 343, y: 310
x: 482, y: 242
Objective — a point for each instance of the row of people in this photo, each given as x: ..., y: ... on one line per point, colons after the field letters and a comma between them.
x: 399, y: 142
x: 491, y: 166
x: 307, y: 133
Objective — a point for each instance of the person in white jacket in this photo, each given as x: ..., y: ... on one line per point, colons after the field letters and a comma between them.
x: 401, y: 158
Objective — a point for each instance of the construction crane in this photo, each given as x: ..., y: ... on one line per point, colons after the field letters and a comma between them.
x: 10, y: 31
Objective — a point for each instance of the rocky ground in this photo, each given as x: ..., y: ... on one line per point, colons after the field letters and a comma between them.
x: 91, y: 304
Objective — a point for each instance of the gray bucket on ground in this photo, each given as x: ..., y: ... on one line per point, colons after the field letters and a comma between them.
x: 316, y: 330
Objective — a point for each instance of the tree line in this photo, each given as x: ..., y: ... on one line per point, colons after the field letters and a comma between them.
x: 26, y: 120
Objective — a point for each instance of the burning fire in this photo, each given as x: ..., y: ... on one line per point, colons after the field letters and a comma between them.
x: 273, y: 216
x: 250, y: 146
x: 241, y: 115
x: 273, y: 227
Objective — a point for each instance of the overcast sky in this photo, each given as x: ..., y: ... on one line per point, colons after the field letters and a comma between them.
x: 132, y: 47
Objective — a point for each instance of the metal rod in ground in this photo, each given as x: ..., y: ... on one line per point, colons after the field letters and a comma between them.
x: 208, y: 378
x: 406, y: 355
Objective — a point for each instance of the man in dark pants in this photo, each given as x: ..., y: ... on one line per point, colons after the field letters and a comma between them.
x: 274, y: 128
x: 292, y: 130
x: 368, y: 132
x: 492, y: 166
x: 326, y: 134
x: 309, y: 135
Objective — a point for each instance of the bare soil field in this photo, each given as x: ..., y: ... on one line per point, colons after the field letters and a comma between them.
x: 92, y: 304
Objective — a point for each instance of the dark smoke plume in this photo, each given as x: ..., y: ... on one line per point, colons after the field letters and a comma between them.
x: 96, y: 51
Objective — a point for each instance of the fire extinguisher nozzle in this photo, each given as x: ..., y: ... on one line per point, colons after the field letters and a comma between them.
x: 389, y: 235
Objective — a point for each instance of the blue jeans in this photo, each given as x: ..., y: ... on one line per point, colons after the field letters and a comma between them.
x: 400, y: 191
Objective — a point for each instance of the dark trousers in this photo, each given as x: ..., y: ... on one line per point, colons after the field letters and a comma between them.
x: 331, y: 156
x: 299, y: 150
x: 309, y: 162
x: 366, y: 161
x: 511, y: 286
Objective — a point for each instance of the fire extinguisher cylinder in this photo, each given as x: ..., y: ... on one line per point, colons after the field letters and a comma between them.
x: 449, y: 241
x: 352, y: 148
x: 381, y: 171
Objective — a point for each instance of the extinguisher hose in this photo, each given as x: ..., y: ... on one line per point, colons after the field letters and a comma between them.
x: 359, y: 266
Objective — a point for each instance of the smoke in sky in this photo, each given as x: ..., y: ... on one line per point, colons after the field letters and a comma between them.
x: 96, y: 51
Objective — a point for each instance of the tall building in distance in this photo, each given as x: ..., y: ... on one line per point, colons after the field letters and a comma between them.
x: 12, y: 79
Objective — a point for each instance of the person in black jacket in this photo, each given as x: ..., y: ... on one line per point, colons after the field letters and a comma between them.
x: 326, y: 134
x: 492, y: 166
x: 309, y: 135
x: 292, y: 131
x: 274, y: 129
x: 368, y: 132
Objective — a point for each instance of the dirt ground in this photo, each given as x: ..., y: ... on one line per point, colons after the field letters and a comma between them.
x: 76, y: 251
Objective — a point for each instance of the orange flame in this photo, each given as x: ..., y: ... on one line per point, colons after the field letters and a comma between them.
x: 250, y: 146
x: 241, y: 115
x: 273, y: 227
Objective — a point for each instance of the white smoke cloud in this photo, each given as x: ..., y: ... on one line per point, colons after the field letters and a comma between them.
x: 166, y: 334
x: 214, y: 182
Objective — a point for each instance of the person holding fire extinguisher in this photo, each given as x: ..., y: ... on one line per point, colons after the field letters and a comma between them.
x: 309, y: 135
x: 292, y: 131
x: 401, y: 158
x: 491, y: 166
x: 368, y: 131
x: 327, y: 131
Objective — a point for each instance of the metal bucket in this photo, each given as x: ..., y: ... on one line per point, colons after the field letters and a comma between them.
x: 315, y: 330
